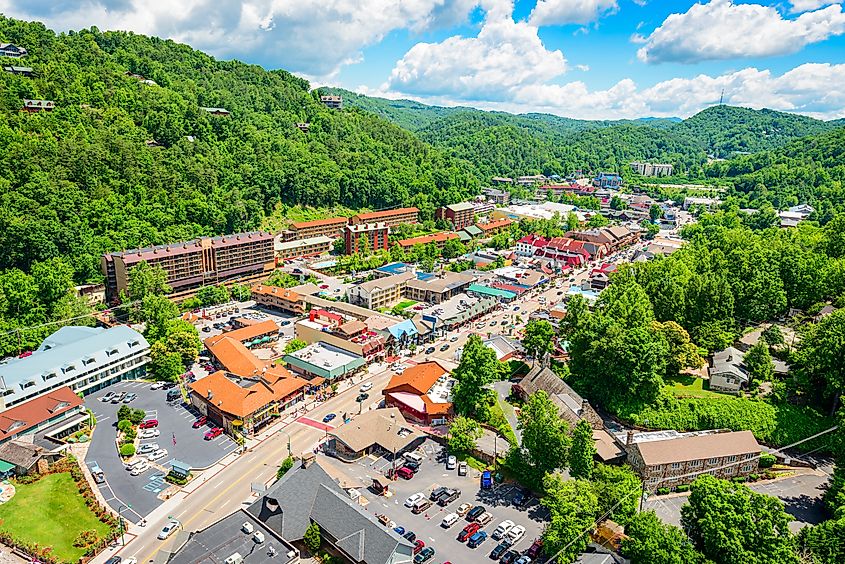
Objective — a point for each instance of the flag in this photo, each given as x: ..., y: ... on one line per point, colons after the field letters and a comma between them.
x: 174, y: 439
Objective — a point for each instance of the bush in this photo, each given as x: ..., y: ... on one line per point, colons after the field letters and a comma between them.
x: 127, y: 450
x: 131, y: 433
x: 137, y: 416
x: 312, y: 538
x: 738, y: 479
x: 662, y: 491
x: 123, y: 413
x: 682, y: 488
x: 286, y: 465
x: 753, y: 477
x: 767, y: 460
x: 124, y: 425
x: 175, y: 479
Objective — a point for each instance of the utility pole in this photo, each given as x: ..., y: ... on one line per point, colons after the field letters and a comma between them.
x: 722, y: 97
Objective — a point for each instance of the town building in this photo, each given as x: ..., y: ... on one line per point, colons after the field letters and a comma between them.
x: 18, y: 458
x: 669, y: 462
x: 321, y: 361
x: 504, y: 347
x: 491, y: 228
x: 310, y: 247
x: 11, y: 50
x: 501, y: 180
x: 332, y: 102
x: 348, y: 334
x: 422, y: 393
x: 33, y: 106
x: 218, y: 112
x: 21, y: 71
x: 571, y: 406
x: 375, y: 235
x: 600, y: 276
x: 529, y: 245
x: 706, y: 203
x: 482, y: 207
x: 436, y: 239
x: 608, y: 181
x: 467, y: 234
x: 459, y: 215
x: 246, y: 404
x: 380, y: 292
x: 727, y: 371
x: 531, y: 180
x: 455, y: 312
x: 436, y: 288
x: 242, y: 257
x: 331, y: 227
x: 86, y: 359
x: 614, y: 237
x: 387, y: 217
x: 285, y: 300
x: 481, y: 291
x: 652, y: 169
x: 496, y: 196
x: 58, y: 413
x: 376, y: 432
x: 251, y: 335
x: 238, y: 537
x: 569, y: 252
x: 308, y: 494
x: 545, y: 210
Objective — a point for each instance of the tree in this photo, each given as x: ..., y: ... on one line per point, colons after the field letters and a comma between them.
x: 823, y: 543
x: 683, y: 353
x: 183, y: 338
x: 124, y: 412
x: 617, y: 489
x: 54, y: 278
x: 572, y: 508
x: 124, y: 425
x: 156, y: 312
x: 339, y: 246
x: 213, y: 295
x: 597, y: 220
x: 478, y: 368
x: 312, y: 539
x: 655, y: 213
x: 539, y: 338
x: 453, y: 248
x: 295, y: 345
x: 281, y: 279
x: 650, y: 541
x: 145, y: 280
x: 758, y: 363
x: 729, y: 522
x: 463, y: 433
x: 545, y: 436
x: 617, y: 203
x: 651, y: 229
x: 772, y: 336
x: 571, y: 221
x: 820, y: 358
x: 286, y: 465
x: 240, y: 292
x: 582, y: 451
x: 127, y: 450
x: 165, y: 365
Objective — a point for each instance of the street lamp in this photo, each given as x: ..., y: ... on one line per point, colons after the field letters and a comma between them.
x: 120, y: 521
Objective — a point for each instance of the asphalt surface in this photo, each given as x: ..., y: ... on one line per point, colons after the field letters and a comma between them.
x: 426, y: 526
x: 175, y: 424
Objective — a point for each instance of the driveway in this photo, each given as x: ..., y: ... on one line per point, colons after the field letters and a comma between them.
x: 433, y: 474
x: 182, y: 441
x: 503, y: 390
x: 801, y: 496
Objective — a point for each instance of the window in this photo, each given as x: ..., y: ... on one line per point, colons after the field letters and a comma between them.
x: 8, y: 392
x: 712, y: 460
x: 88, y: 360
x: 731, y: 459
x: 694, y: 463
x: 746, y: 468
x: 68, y: 368
x: 49, y: 375
x: 27, y: 384
x: 112, y: 351
x: 676, y: 465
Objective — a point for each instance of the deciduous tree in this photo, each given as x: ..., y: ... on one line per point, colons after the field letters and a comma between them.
x: 650, y: 541
x: 478, y: 368
x: 538, y: 339
x: 572, y: 509
x: 582, y: 451
x: 463, y: 434
x: 545, y: 436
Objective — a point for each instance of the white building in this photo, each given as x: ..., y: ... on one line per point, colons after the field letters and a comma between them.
x: 85, y: 358
x: 652, y: 169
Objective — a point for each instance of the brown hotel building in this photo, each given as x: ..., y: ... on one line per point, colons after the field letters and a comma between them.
x: 244, y: 257
x: 388, y: 217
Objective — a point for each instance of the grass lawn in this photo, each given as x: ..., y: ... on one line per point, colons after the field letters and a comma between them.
x: 690, y: 386
x: 403, y: 305
x: 50, y: 512
x: 498, y: 420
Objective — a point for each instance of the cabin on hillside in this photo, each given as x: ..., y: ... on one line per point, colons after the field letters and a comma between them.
x: 12, y: 50
x: 22, y: 71
x: 222, y: 112
x: 33, y: 106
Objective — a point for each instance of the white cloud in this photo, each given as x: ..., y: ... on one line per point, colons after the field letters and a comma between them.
x: 504, y: 56
x: 799, y: 6
x: 723, y: 30
x: 560, y: 12
x: 312, y: 37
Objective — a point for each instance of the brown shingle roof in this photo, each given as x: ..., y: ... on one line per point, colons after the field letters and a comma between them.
x: 494, y: 224
x: 426, y: 239
x: 284, y: 293
x: 21, y: 454
x: 246, y: 333
x: 698, y: 447
x: 235, y: 357
x: 386, y: 213
x: 35, y: 411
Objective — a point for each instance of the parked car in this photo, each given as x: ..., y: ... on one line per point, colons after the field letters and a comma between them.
x: 108, y: 397
x: 397, y: 530
x: 168, y: 529
x: 129, y: 397
x: 410, y: 536
x: 484, y: 518
x: 118, y: 398
x: 468, y: 531
x: 500, y: 549
x: 149, y: 434
x: 131, y: 465
x: 535, y: 548
x: 476, y: 539
x: 451, y: 463
x: 524, y: 559
x: 140, y: 469
x: 437, y: 492
x: 449, y: 520
x: 421, y: 506
x: 424, y: 555
x: 418, y: 546
x: 520, y: 498
x: 206, y: 329
x: 463, y: 509
x: 174, y: 395
x: 503, y: 528
x: 475, y: 512
x: 213, y: 433
x: 148, y: 424
x: 97, y: 474
x: 156, y: 455
x: 365, y: 387
x: 148, y: 448
x: 509, y: 557
x: 329, y: 417
x: 413, y: 465
x: 412, y: 499
x: 448, y: 497
x: 515, y: 534
x: 200, y: 422
x: 405, y: 473
x: 462, y: 468
x: 114, y: 560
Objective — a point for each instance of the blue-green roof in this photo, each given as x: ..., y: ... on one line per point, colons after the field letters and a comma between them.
x: 5, y: 466
x: 488, y: 291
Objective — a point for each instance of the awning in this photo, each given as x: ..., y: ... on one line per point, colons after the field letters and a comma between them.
x: 5, y: 466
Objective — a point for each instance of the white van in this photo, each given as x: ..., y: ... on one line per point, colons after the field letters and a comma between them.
x: 135, y: 463
x: 413, y: 456
x: 449, y: 520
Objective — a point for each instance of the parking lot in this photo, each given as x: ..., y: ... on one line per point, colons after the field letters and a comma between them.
x: 177, y: 435
x: 426, y: 526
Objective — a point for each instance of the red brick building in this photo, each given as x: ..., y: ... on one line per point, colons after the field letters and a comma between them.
x: 375, y: 233
x: 459, y: 215
x: 388, y: 217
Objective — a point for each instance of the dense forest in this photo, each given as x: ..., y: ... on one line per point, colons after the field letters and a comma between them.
x: 122, y: 163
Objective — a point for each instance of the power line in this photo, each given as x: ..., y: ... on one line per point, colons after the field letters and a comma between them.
x: 618, y: 503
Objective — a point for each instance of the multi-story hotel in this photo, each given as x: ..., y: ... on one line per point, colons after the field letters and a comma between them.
x: 245, y: 257
x: 652, y: 169
x: 438, y: 239
x: 376, y: 235
x: 459, y: 215
x: 281, y: 299
x: 331, y: 227
x: 313, y: 246
x: 388, y: 217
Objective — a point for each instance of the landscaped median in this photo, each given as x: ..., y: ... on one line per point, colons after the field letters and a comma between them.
x: 55, y: 517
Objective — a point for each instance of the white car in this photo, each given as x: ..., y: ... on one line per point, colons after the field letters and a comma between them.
x: 149, y: 434
x: 449, y: 520
x: 451, y: 463
x: 139, y: 469
x: 413, y: 499
x: 148, y: 448
x: 168, y: 529
x: 515, y: 534
x: 130, y: 561
x: 157, y: 385
x: 160, y: 453
x: 366, y: 387
x: 503, y: 528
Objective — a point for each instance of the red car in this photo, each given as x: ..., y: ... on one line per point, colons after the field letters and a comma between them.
x: 468, y: 531
x: 148, y: 424
x: 200, y: 422
x: 418, y: 546
x: 213, y: 433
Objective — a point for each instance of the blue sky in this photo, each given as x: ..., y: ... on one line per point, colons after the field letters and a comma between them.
x: 576, y: 58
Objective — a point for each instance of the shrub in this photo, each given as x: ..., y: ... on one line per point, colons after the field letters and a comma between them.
x: 137, y: 416
x: 312, y: 538
x: 662, y: 491
x: 738, y: 479
x: 127, y: 450
x: 767, y: 460
x: 286, y: 465
x: 682, y: 488
x: 175, y: 479
x: 753, y: 477
x: 124, y: 425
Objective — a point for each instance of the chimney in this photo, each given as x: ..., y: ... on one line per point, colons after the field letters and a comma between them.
x: 630, y: 439
x: 209, y: 395
x: 308, y: 459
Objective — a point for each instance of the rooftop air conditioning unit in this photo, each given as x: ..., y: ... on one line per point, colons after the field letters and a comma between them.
x: 258, y: 537
x: 235, y: 559
x: 247, y: 528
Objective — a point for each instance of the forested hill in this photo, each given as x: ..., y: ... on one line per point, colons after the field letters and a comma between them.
x: 499, y: 143
x: 121, y: 163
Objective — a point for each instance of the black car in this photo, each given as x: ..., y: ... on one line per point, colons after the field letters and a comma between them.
x: 437, y: 492
x: 445, y: 347
x: 509, y: 557
x: 500, y: 549
x: 114, y: 560
x: 520, y: 498
x: 410, y: 536
x: 412, y: 465
x: 475, y: 512
x: 448, y: 497
x: 429, y: 350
